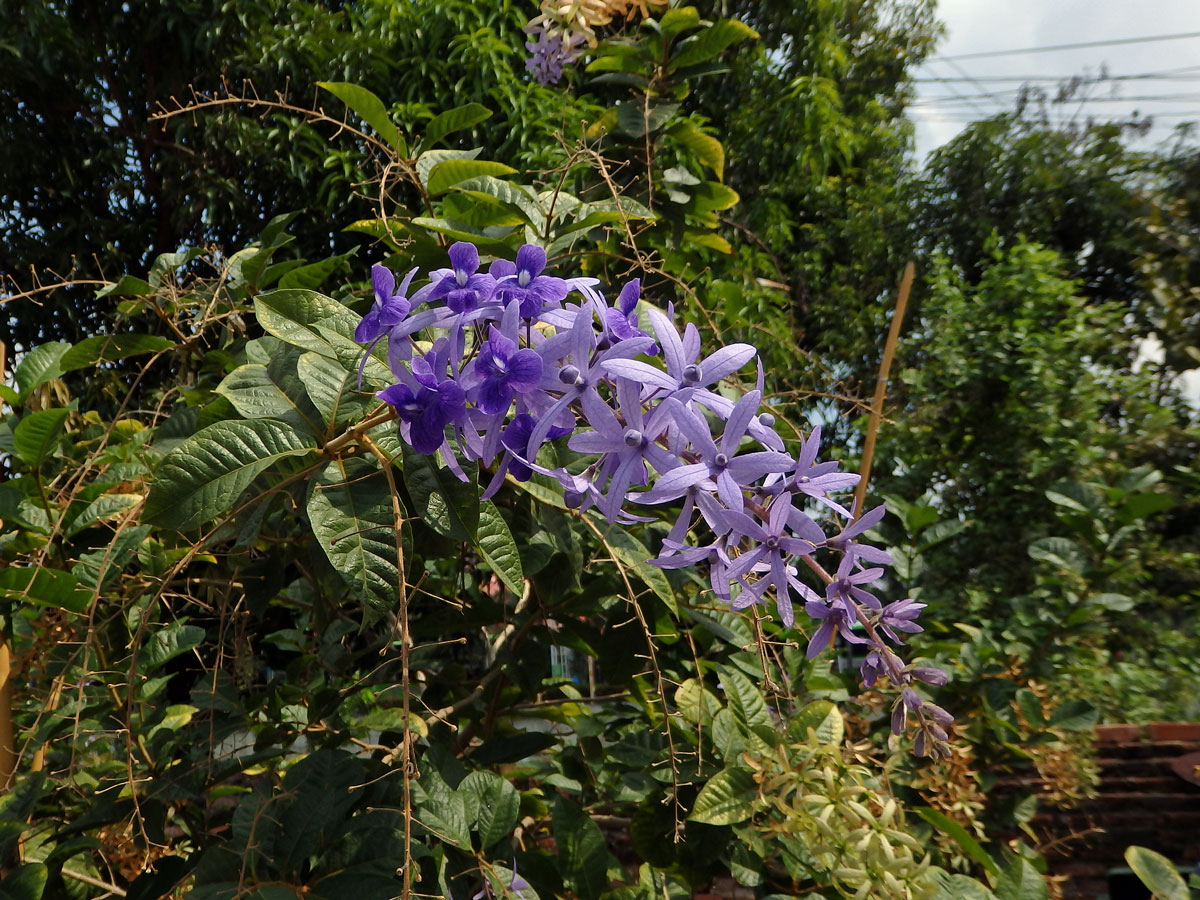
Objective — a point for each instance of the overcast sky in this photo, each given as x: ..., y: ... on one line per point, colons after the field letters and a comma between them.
x: 978, y: 26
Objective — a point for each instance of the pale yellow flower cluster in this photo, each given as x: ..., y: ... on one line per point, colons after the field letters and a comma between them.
x: 581, y: 17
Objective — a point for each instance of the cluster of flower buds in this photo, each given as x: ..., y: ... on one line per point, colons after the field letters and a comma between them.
x: 563, y: 28
x: 514, y: 358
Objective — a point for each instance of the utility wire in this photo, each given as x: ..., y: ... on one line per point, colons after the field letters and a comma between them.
x: 1048, y: 49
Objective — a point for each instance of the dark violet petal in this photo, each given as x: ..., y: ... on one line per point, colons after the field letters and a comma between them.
x: 532, y: 259
x: 629, y: 296
x: 427, y: 431
x: 865, y: 522
x: 525, y: 370
x: 464, y: 258
x: 495, y: 396
x: 739, y: 418
x: 383, y: 281
x: 822, y: 638
x: 502, y: 268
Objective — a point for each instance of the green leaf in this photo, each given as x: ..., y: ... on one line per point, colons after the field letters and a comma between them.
x: 37, y: 435
x: 499, y: 806
x: 712, y: 195
x: 1075, y: 715
x: 311, y: 276
x: 1031, y: 707
x: 709, y: 43
x: 204, y: 476
x: 369, y: 108
x: 165, y: 644
x: 333, y: 390
x: 443, y: 811
x: 1061, y: 553
x: 1115, y: 602
x: 102, y: 509
x: 110, y: 348
x: 430, y: 158
x: 960, y: 836
x: 453, y: 120
x: 27, y: 882
x: 696, y: 703
x: 745, y: 700
x: 492, y: 245
x: 38, y: 366
x: 256, y: 395
x: 443, y: 502
x: 824, y: 718
x: 676, y: 21
x: 959, y: 887
x: 1157, y: 873
x: 706, y: 148
x: 499, y: 550
x: 126, y: 285
x: 447, y: 174
x: 728, y: 798
x: 634, y: 555
x: 350, y: 509
x: 512, y: 195
x: 1021, y: 881
x: 293, y: 315
x: 582, y: 855
x: 49, y: 587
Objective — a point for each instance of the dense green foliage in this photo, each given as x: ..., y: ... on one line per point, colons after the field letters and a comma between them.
x: 260, y: 651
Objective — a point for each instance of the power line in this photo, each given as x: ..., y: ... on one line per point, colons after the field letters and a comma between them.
x: 1175, y: 75
x: 1048, y: 49
x: 996, y: 95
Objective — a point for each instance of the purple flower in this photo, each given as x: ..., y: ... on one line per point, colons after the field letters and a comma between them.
x: 549, y: 53
x: 900, y: 616
x: 526, y: 284
x: 427, y: 405
x: 504, y: 369
x: 719, y: 468
x: 817, y: 479
x: 833, y: 619
x: 621, y: 321
x: 462, y: 288
x: 844, y: 541
x: 844, y: 589
x: 775, y: 545
x: 390, y: 306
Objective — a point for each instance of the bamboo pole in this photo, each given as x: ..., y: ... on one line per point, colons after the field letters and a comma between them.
x: 8, y: 749
x: 885, y: 367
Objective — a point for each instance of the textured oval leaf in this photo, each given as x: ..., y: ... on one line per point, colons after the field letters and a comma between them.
x: 727, y: 799
x: 1021, y: 881
x: 1059, y: 552
x: 167, y: 643
x: 824, y: 718
x: 498, y: 547
x: 706, y: 148
x: 292, y: 315
x: 369, y: 108
x: 710, y: 42
x: 745, y: 700
x: 447, y: 174
x: 255, y: 395
x: 311, y: 276
x: 37, y: 435
x: 333, y: 390
x: 38, y: 366
x: 102, y: 509
x: 453, y: 120
x: 49, y: 587
x: 695, y: 703
x: 110, y: 348
x: 350, y: 510
x: 203, y: 477
x: 1157, y: 873
x: 582, y: 854
x: 443, y: 502
x: 499, y: 805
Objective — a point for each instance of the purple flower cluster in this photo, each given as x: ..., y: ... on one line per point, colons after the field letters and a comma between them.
x: 513, y: 358
x: 550, y: 50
